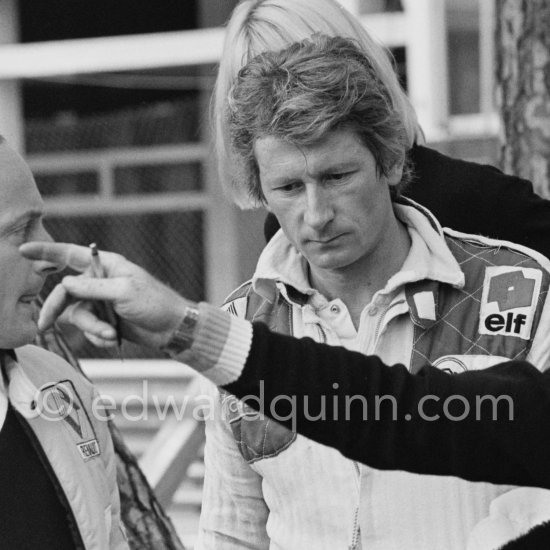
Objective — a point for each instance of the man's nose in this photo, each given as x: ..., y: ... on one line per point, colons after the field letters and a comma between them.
x: 319, y: 207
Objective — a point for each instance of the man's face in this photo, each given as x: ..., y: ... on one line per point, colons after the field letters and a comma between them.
x: 20, y: 279
x: 328, y: 197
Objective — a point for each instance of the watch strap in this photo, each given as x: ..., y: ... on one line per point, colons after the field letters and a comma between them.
x: 182, y: 337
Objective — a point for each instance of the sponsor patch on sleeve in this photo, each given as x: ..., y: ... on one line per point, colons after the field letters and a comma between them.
x: 509, y: 301
x: 89, y: 449
x: 60, y: 402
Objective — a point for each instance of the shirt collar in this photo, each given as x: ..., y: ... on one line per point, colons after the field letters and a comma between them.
x: 19, y: 389
x: 429, y: 256
x: 5, y: 359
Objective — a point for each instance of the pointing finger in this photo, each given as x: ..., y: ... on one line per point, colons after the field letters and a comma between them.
x: 62, y: 254
x: 76, y: 257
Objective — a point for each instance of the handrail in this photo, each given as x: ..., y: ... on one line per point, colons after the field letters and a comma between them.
x: 112, y: 53
x: 171, y: 452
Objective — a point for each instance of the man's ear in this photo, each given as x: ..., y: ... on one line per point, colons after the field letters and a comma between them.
x: 395, y: 173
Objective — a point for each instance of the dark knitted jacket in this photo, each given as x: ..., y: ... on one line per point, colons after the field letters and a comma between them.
x: 482, y: 448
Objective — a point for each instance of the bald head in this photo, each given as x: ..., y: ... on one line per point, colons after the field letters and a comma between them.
x: 21, y: 210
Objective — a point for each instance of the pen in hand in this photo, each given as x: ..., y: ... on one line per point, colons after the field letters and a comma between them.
x: 107, y: 313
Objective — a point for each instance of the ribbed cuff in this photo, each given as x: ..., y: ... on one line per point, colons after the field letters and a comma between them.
x: 220, y: 346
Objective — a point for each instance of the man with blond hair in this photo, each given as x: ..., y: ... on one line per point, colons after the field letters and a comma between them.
x: 315, y: 139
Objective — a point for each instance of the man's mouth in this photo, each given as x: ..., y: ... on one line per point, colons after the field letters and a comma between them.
x: 326, y: 240
x: 28, y: 298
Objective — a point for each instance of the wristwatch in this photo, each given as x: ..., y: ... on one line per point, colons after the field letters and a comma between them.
x: 182, y: 337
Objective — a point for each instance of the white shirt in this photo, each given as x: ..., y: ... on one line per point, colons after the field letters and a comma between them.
x: 3, y: 399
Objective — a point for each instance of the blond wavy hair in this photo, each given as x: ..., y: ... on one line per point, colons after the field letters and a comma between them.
x: 257, y: 26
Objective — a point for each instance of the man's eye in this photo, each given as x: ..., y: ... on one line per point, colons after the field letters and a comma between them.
x: 24, y: 231
x: 337, y: 176
x: 16, y: 234
x: 20, y: 229
x: 287, y: 188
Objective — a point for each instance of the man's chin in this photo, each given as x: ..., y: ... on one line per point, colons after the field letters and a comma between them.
x: 20, y: 335
x: 328, y: 261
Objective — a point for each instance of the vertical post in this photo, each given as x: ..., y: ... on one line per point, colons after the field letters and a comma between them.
x: 487, y: 56
x: 522, y: 50
x: 427, y: 71
x: 221, y: 218
x: 11, y: 110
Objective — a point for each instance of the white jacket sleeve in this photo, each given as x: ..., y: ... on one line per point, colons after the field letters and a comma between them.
x: 234, y: 513
x: 511, y: 515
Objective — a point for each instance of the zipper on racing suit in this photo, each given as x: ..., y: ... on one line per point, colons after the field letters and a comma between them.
x: 356, y: 530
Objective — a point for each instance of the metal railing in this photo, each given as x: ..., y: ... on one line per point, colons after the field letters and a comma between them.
x: 104, y: 163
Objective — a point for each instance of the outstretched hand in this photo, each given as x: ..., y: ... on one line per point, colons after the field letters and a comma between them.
x: 149, y: 310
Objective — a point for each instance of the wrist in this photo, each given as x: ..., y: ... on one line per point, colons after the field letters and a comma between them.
x: 219, y: 345
x: 181, y: 337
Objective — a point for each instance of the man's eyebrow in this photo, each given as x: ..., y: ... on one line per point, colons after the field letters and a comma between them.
x: 343, y: 166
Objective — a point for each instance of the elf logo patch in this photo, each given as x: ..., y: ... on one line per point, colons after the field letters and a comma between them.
x: 509, y: 301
